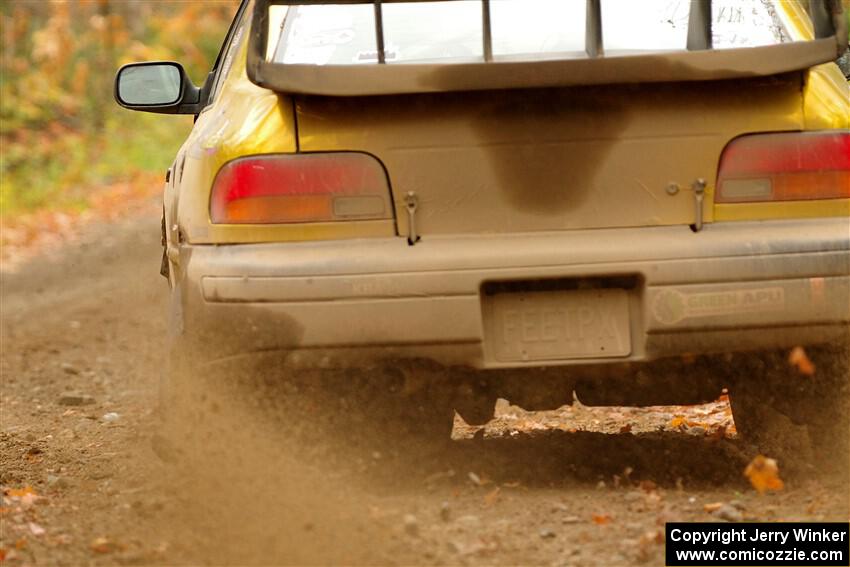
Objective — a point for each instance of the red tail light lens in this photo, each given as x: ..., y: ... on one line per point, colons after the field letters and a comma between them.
x: 793, y: 166
x: 287, y: 188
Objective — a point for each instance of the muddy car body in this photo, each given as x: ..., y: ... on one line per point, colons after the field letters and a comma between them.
x: 605, y: 222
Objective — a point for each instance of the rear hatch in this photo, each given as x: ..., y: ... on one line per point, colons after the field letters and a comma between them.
x: 551, y: 159
x: 542, y: 126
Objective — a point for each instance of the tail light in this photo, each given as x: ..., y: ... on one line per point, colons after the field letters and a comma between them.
x: 793, y: 166
x: 289, y: 188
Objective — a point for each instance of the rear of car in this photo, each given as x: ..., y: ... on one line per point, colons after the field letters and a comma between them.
x: 582, y: 227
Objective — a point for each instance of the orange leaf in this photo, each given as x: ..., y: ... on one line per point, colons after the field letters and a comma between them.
x: 19, y: 492
x: 601, y: 519
x: 712, y: 507
x: 627, y: 428
x: 102, y: 545
x: 801, y: 361
x: 677, y: 421
x: 764, y: 474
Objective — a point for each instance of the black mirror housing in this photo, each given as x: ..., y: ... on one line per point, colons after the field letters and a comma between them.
x: 186, y: 98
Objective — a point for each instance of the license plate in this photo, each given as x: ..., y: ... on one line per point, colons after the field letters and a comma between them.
x: 553, y: 325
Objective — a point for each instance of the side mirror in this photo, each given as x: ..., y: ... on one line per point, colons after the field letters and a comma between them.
x: 157, y: 86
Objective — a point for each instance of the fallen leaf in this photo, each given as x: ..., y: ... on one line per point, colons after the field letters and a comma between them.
x: 712, y: 507
x: 491, y: 497
x: 627, y: 428
x: 801, y: 361
x: 20, y: 492
x: 763, y: 473
x: 36, y: 529
x: 601, y: 519
x: 677, y: 422
x: 102, y: 545
x: 648, y: 485
x: 21, y: 544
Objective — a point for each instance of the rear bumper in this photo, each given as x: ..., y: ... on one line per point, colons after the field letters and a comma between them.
x: 731, y: 287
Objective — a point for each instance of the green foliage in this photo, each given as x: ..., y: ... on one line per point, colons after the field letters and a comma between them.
x: 61, y: 133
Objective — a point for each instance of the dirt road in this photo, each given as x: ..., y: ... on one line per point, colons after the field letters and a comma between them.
x: 88, y: 479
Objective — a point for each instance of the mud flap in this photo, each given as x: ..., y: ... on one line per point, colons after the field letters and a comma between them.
x: 163, y: 267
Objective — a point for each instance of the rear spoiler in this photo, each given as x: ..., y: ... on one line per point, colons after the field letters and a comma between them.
x: 698, y: 63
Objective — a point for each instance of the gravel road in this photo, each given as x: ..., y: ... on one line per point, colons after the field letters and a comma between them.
x: 89, y: 478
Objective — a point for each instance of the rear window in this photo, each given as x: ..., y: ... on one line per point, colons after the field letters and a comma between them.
x: 451, y: 31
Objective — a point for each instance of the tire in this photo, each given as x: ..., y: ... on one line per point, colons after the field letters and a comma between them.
x: 784, y: 412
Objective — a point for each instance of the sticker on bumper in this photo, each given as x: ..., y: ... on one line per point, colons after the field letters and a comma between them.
x: 671, y: 306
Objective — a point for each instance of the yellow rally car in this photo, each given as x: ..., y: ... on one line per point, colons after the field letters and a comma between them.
x: 625, y: 202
